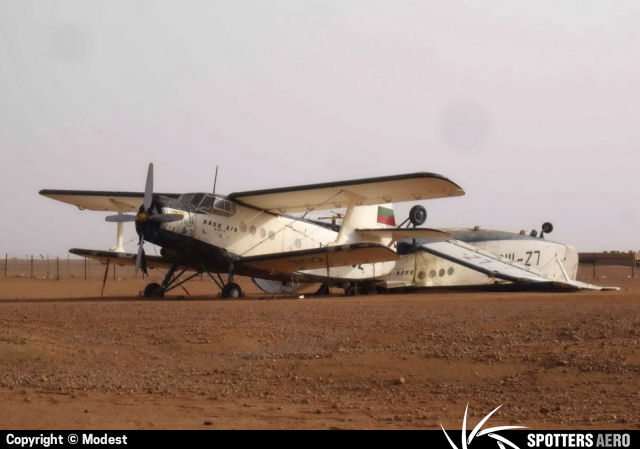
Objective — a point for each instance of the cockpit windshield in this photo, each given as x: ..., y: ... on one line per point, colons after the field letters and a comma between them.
x: 206, y: 203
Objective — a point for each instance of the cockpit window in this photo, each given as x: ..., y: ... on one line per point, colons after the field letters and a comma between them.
x: 195, y: 201
x: 185, y: 199
x: 210, y: 204
x: 207, y: 203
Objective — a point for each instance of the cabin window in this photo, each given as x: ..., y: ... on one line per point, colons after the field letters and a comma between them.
x: 243, y: 227
x: 224, y: 208
x: 263, y: 233
x: 252, y: 230
x: 271, y: 235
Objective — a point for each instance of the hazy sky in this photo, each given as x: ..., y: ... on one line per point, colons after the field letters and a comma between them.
x: 533, y: 107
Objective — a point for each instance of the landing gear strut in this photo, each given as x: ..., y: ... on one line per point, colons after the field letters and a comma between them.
x: 154, y: 290
x: 229, y: 289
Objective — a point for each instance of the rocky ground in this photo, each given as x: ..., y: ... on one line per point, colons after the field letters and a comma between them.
x: 555, y: 360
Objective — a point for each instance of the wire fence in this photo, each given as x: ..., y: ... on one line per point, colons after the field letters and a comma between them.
x: 598, y: 262
x: 42, y: 266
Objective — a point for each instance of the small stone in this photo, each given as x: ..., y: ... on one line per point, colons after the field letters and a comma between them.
x: 208, y: 423
x: 400, y: 381
x: 545, y: 411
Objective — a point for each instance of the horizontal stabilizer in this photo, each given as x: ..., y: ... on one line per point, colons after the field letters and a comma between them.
x: 403, y: 233
x: 499, y: 267
x: 324, y: 257
x: 382, y: 190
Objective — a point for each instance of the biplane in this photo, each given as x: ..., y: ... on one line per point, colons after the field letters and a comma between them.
x: 266, y: 235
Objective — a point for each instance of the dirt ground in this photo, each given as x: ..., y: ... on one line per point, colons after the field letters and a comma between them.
x: 72, y: 360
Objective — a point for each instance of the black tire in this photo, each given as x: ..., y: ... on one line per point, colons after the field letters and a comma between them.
x: 417, y: 215
x: 231, y: 290
x: 369, y: 289
x: 547, y: 228
x: 352, y: 290
x: 323, y: 290
x: 153, y: 290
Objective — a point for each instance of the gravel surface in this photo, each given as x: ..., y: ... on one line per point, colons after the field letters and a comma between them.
x: 569, y: 360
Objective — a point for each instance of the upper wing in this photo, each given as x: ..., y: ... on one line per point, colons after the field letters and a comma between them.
x: 495, y: 266
x: 387, y: 189
x: 101, y: 200
x: 324, y: 257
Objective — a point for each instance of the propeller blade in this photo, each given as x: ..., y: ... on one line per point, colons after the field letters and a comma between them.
x: 120, y: 218
x: 148, y: 189
x: 140, y: 254
x: 166, y: 218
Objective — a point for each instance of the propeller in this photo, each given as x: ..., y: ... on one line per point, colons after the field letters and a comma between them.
x: 142, y: 257
x: 145, y: 214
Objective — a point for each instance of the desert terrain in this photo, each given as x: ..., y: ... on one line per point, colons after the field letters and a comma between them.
x: 70, y: 359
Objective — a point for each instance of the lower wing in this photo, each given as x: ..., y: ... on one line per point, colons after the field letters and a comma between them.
x: 123, y: 259
x: 324, y: 257
x: 498, y: 267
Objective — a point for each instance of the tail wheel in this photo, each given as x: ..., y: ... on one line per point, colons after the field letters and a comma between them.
x: 417, y: 215
x: 153, y: 290
x: 231, y: 290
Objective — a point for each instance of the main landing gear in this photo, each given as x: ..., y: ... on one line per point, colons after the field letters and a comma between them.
x: 355, y: 289
x: 229, y: 289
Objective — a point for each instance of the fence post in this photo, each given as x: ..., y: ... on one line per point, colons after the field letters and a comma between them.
x: 633, y: 264
x: 6, y: 261
x: 85, y: 269
x: 31, y: 265
x: 68, y: 265
x: 57, y: 268
x: 594, y: 265
x: 48, y: 271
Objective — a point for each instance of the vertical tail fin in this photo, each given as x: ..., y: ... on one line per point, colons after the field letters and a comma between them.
x: 366, y: 217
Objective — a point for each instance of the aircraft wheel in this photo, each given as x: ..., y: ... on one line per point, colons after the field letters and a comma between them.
x: 370, y: 289
x: 352, y: 290
x: 153, y: 290
x: 231, y: 290
x: 323, y: 290
x: 418, y: 215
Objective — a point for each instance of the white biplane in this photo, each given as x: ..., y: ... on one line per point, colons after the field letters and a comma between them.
x: 253, y: 234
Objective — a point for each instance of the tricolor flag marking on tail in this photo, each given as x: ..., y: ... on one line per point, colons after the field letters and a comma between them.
x: 385, y: 216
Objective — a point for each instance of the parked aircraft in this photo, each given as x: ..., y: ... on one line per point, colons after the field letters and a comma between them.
x: 254, y: 234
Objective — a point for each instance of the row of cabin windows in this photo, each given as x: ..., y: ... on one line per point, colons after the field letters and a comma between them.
x: 209, y: 204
